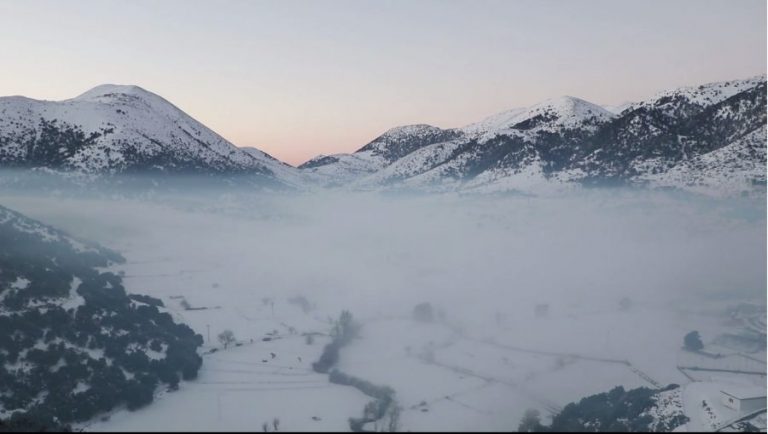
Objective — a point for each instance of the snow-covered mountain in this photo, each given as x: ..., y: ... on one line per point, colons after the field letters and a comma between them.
x: 709, y: 138
x: 673, y: 101
x: 724, y: 171
x: 282, y: 171
x: 121, y: 129
x: 388, y: 148
x: 552, y: 115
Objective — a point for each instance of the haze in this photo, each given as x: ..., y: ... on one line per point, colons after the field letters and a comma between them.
x: 484, y: 263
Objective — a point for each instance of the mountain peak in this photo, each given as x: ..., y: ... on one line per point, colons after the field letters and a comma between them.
x: 126, y: 128
x: 399, y: 141
x: 409, y: 130
x: 110, y: 90
x: 561, y: 112
x: 705, y: 94
x: 567, y: 101
x: 129, y: 94
x: 569, y: 106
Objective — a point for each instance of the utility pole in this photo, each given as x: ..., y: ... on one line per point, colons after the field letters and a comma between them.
x: 209, y: 333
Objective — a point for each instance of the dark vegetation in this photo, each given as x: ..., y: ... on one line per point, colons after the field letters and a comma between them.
x: 614, y: 411
x: 383, y: 398
x: 50, y: 144
x: 692, y: 341
x: 392, y: 147
x: 52, y: 151
x: 343, y: 331
x: 141, y: 298
x: 73, y: 343
x: 302, y: 302
x: 21, y: 422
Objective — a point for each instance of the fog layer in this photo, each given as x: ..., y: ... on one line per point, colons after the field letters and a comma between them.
x: 483, y: 262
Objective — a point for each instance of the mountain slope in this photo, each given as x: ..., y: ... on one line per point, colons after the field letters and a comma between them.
x: 567, y: 142
x: 566, y: 112
x: 280, y: 170
x: 729, y: 170
x: 559, y: 143
x: 73, y: 343
x: 340, y: 169
x: 394, y: 144
x: 401, y: 141
x: 117, y: 129
x: 687, y: 100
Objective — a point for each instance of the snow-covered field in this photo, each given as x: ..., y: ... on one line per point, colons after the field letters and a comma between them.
x: 482, y: 263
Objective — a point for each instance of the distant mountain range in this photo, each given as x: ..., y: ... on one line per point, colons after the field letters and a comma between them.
x: 709, y: 138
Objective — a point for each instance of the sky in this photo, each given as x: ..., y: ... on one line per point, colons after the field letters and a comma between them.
x: 302, y: 78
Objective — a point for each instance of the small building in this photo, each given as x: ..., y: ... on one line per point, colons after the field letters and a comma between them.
x: 743, y: 400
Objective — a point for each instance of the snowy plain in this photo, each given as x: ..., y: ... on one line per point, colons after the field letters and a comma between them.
x: 483, y: 263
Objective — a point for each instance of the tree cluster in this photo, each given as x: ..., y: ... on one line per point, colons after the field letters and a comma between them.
x: 343, y: 331
x: 617, y: 410
x: 68, y: 362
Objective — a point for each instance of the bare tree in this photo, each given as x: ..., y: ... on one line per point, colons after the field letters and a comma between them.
x: 394, y: 418
x: 531, y: 421
x: 276, y: 423
x: 265, y: 426
x: 226, y: 338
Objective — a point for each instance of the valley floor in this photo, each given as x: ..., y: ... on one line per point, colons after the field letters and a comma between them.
x: 483, y: 362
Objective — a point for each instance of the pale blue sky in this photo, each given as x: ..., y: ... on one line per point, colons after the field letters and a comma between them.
x: 299, y: 78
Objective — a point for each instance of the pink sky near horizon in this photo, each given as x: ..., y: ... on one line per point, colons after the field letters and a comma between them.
x: 301, y: 78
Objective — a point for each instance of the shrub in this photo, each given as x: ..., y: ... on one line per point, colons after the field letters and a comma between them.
x: 692, y: 341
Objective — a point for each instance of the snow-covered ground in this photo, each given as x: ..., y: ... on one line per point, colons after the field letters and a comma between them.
x: 482, y: 263
x: 241, y: 388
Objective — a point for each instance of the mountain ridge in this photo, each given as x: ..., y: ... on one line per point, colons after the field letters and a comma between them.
x: 112, y: 129
x: 565, y: 141
x: 560, y: 142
